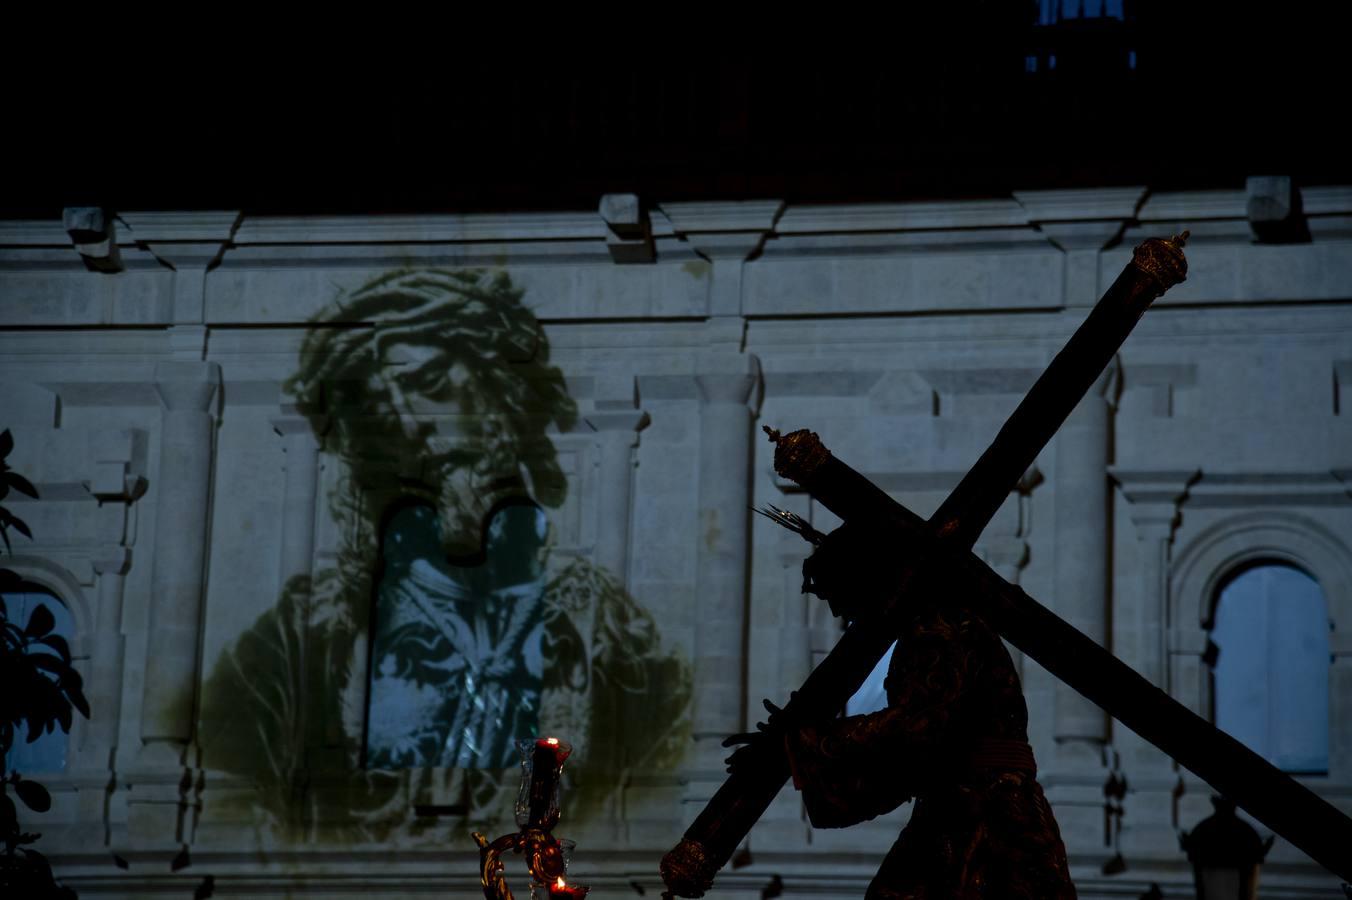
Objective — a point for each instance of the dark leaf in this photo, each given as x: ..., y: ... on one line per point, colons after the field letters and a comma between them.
x: 49, y: 662
x: 58, y: 643
x: 33, y: 795
x: 18, y: 525
x: 20, y: 484
x: 206, y: 889
x: 10, y: 581
x: 9, y: 816
x: 39, y: 862
x: 77, y: 699
x: 71, y: 680
x: 182, y: 861
x: 63, y: 716
x: 4, y: 535
x: 6, y: 443
x: 40, y: 622
x: 120, y: 862
x: 35, y: 727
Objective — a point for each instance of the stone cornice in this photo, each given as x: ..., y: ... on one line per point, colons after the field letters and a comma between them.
x: 1096, y: 204
x: 1249, y: 489
x: 893, y: 217
x: 1154, y: 496
x: 181, y: 227
x: 955, y: 217
x: 1082, y: 219
x: 445, y: 229
x: 723, y: 216
x: 1194, y: 205
x: 33, y: 233
x: 1328, y: 200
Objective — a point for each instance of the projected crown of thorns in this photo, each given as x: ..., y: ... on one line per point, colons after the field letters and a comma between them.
x: 943, y: 545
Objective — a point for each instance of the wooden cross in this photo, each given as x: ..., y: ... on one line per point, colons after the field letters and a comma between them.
x: 943, y: 550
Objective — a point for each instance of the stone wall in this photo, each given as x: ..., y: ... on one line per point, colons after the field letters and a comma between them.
x: 219, y: 410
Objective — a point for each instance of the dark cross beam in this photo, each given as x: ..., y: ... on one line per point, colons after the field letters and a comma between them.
x: 946, y: 539
x: 1270, y: 795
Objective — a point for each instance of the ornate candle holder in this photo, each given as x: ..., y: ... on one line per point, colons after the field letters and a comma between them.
x: 537, y: 812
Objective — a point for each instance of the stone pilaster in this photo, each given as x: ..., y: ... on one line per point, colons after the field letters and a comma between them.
x: 728, y: 382
x: 1081, y: 777
x: 727, y: 389
x: 100, y: 737
x: 1082, y: 548
x: 300, y: 444
x: 160, y: 804
x: 183, y: 488
x: 617, y: 421
x: 1154, y: 498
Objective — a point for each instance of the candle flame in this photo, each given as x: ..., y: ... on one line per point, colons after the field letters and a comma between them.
x: 553, y: 742
x: 560, y: 883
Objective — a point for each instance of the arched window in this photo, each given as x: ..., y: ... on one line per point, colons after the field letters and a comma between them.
x: 48, y: 752
x: 1270, y: 665
x: 456, y: 657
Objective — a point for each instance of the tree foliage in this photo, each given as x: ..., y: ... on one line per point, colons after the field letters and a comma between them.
x: 41, y: 688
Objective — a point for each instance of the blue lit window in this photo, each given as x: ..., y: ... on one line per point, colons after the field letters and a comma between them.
x: 1052, y: 11
x: 1271, y: 671
x: 48, y: 752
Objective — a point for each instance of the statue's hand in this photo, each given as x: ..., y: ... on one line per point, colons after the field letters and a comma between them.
x: 750, y: 744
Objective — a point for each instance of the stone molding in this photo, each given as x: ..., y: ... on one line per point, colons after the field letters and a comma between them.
x: 672, y: 218
x: 423, y: 229
x: 723, y: 217
x: 729, y: 378
x: 1082, y: 219
x: 1206, y: 559
x: 848, y: 219
x: 1154, y: 494
x: 67, y: 572
x: 119, y: 465
x: 187, y: 228
x: 1221, y: 490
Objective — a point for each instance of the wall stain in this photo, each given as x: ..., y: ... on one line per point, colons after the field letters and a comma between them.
x: 696, y: 268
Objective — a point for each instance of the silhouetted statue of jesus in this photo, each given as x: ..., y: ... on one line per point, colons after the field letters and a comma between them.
x: 954, y: 737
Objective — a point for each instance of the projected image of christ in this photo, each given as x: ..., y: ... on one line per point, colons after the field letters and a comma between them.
x: 457, y: 661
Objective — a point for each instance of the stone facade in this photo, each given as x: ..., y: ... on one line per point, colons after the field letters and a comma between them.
x: 203, y: 502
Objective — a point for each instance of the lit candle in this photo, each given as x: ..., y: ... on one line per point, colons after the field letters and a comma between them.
x: 546, y: 765
x: 561, y: 890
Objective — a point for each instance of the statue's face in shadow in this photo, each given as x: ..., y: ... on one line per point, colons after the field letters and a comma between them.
x: 854, y: 570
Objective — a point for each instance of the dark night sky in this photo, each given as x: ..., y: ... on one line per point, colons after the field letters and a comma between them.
x: 934, y: 106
